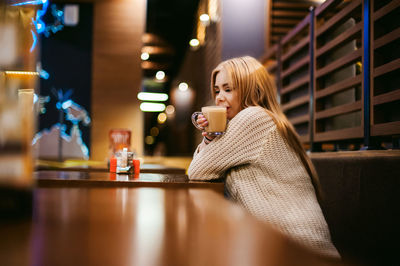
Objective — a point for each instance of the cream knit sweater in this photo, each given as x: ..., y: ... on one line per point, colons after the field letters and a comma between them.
x: 265, y: 176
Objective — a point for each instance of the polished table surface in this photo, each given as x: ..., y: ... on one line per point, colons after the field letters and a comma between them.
x: 143, y: 226
x: 99, y: 179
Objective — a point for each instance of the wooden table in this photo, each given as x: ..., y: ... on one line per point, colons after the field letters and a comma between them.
x: 143, y: 226
x: 100, y: 179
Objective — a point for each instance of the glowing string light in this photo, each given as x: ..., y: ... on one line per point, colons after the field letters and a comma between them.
x: 152, y: 96
x: 26, y: 73
x: 152, y: 107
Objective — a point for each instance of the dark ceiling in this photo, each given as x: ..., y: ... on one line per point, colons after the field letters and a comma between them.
x: 172, y: 20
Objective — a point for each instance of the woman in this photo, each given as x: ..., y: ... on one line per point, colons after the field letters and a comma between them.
x: 265, y: 168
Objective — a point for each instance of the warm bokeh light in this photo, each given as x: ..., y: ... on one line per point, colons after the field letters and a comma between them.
x: 152, y: 107
x: 170, y: 110
x: 204, y: 18
x: 162, y: 117
x: 154, y: 131
x: 213, y: 10
x: 149, y: 140
x: 145, y: 56
x: 160, y: 75
x: 194, y: 42
x: 152, y: 96
x: 183, y: 86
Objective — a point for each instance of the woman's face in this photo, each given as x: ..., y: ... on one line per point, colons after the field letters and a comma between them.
x: 225, y: 95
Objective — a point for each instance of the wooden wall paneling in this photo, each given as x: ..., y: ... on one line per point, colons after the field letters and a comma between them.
x: 271, y: 63
x: 117, y: 74
x: 284, y: 16
x: 295, y: 77
x: 337, y: 81
x: 385, y: 68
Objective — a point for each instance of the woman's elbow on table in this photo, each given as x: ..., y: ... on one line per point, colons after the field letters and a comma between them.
x: 200, y: 174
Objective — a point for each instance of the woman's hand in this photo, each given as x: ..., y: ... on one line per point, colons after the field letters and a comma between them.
x: 202, y: 122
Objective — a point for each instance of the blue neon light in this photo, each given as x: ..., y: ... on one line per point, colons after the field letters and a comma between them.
x: 66, y: 104
x: 35, y: 2
x: 43, y: 74
x: 38, y: 22
x: 34, y: 41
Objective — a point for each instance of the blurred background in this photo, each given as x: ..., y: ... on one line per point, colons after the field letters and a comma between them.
x: 133, y: 65
x: 137, y: 69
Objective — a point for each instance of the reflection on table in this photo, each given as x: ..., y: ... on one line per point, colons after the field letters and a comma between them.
x: 144, y: 168
x: 143, y: 226
x: 101, y: 179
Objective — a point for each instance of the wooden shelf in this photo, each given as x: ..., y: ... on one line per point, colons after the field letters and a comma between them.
x: 297, y: 102
x: 293, y: 86
x: 272, y: 67
x: 386, y: 97
x: 338, y: 110
x: 341, y: 134
x: 270, y: 54
x: 299, y: 64
x: 387, y: 38
x: 340, y: 86
x: 292, y: 5
x: 280, y: 30
x: 386, y: 9
x: 386, y: 68
x: 385, y: 129
x: 344, y: 60
x: 301, y: 25
x: 339, y: 16
x: 276, y: 38
x: 285, y: 22
x: 300, y: 119
x: 295, y: 14
x: 324, y: 6
x: 301, y: 44
x: 304, y: 138
x: 352, y: 32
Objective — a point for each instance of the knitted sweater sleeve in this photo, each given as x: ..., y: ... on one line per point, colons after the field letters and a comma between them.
x: 242, y: 143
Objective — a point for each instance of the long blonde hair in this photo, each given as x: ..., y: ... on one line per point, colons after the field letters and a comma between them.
x: 255, y: 87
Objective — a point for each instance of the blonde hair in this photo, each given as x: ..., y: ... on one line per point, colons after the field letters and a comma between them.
x: 255, y: 87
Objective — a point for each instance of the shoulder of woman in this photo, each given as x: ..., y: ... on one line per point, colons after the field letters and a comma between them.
x: 252, y: 117
x: 254, y: 113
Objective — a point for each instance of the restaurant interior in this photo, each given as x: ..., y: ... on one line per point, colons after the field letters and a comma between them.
x: 87, y: 84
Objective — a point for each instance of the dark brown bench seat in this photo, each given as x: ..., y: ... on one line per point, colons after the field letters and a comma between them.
x: 362, y: 203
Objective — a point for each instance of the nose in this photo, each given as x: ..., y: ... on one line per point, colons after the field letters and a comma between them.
x: 220, y: 97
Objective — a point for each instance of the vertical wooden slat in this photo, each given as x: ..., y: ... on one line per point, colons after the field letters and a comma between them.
x: 384, y: 66
x: 311, y: 84
x: 338, y: 122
